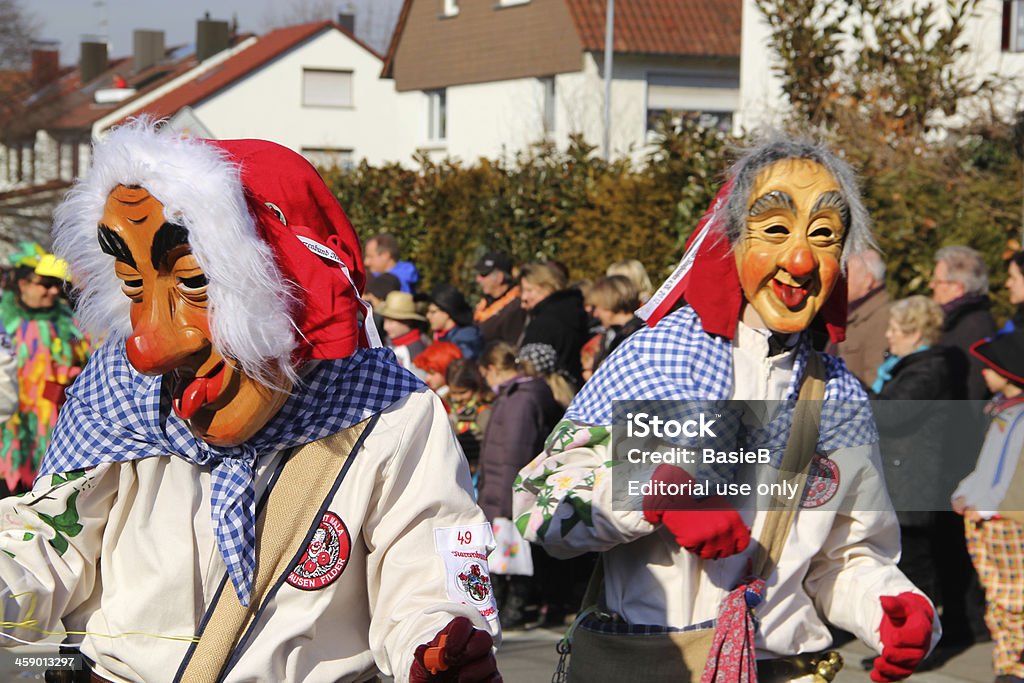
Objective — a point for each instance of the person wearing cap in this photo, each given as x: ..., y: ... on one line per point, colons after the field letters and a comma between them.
x: 50, y: 350
x: 451, y: 320
x: 243, y: 484
x: 991, y: 500
x: 764, y: 263
x: 404, y: 327
x: 499, y: 313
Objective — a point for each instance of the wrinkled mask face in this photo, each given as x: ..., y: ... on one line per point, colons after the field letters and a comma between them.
x: 788, y: 258
x: 170, y: 323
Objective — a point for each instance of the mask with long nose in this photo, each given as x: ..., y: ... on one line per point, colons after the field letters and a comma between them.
x: 788, y: 257
x: 170, y: 323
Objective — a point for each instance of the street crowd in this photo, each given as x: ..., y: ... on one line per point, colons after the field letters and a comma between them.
x: 239, y: 339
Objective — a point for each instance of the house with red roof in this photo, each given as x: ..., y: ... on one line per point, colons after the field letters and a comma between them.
x: 313, y: 87
x: 497, y: 76
x: 47, y: 115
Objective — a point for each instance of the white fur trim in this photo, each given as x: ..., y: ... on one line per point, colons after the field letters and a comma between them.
x: 200, y: 189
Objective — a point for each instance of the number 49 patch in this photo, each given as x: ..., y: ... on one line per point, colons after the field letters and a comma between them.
x: 464, y: 550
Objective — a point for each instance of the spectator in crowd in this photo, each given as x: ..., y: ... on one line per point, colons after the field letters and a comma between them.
x: 381, y: 254
x: 960, y: 285
x: 379, y: 286
x: 51, y: 351
x: 635, y: 272
x: 405, y: 329
x: 499, y: 314
x: 613, y: 300
x: 867, y: 317
x: 377, y: 289
x: 555, y: 316
x: 434, y: 362
x: 470, y: 399
x: 916, y: 373
x: 538, y: 360
x: 992, y: 502
x: 523, y: 414
x: 1015, y: 286
x: 451, y: 320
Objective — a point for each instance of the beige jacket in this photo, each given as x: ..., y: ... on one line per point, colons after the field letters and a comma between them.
x: 126, y: 555
x: 865, y: 345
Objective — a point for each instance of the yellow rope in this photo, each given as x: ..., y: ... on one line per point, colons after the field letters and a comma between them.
x: 30, y: 624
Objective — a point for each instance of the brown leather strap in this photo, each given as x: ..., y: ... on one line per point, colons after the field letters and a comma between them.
x: 292, y: 509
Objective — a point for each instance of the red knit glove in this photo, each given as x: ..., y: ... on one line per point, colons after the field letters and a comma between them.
x: 707, y: 527
x: 906, y: 635
x: 458, y: 653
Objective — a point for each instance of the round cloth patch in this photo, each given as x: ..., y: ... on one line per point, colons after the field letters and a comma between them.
x: 822, y: 482
x: 326, y: 555
x: 475, y: 583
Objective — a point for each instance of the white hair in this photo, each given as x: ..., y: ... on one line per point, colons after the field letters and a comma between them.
x: 200, y: 188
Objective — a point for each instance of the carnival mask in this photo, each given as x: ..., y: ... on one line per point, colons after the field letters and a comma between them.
x: 170, y: 323
x: 788, y: 257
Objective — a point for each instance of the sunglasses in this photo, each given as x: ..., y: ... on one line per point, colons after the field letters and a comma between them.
x: 48, y: 282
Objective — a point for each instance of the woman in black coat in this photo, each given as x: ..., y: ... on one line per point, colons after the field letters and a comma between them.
x: 555, y: 316
x: 916, y: 428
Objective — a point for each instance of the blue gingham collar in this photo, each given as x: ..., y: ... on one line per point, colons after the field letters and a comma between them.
x: 678, y: 361
x: 115, y: 414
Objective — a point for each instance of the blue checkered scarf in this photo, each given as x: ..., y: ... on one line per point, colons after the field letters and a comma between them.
x: 678, y: 361
x: 115, y: 414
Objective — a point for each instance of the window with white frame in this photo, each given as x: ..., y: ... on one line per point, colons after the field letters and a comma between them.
x: 326, y: 88
x: 437, y: 114
x: 547, y: 85
x: 330, y: 157
x: 1013, y: 26
x: 709, y: 98
x: 450, y: 8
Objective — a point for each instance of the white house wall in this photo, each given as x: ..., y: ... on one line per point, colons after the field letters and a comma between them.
x: 268, y: 104
x: 492, y: 119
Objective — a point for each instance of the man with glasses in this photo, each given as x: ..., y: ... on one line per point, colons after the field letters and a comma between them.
x: 960, y: 285
x: 50, y: 352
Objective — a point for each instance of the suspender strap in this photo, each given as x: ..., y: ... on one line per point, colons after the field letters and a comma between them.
x: 796, y: 463
x: 293, y: 508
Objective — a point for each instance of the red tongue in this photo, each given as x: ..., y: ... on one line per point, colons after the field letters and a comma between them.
x: 198, y: 393
x: 791, y: 296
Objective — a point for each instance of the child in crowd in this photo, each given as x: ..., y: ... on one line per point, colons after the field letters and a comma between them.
x: 434, y: 363
x: 405, y: 329
x: 470, y: 399
x: 538, y: 360
x: 990, y: 499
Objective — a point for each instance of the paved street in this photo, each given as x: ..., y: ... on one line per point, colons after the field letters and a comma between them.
x: 529, y: 657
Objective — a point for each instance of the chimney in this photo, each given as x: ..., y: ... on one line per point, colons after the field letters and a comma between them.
x: 93, y: 61
x: 211, y: 37
x: 45, y: 62
x: 149, y: 48
x: 347, y: 21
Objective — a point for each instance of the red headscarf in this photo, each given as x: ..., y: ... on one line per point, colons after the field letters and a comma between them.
x: 313, y: 242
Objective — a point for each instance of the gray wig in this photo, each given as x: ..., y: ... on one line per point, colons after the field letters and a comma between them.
x: 755, y: 159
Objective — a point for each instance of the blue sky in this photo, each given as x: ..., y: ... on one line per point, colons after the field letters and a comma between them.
x: 69, y: 20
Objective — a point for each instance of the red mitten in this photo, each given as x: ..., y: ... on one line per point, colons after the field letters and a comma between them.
x: 906, y: 635
x: 458, y: 653
x: 708, y: 527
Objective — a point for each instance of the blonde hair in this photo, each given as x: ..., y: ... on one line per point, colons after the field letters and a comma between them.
x: 541, y: 274
x: 918, y: 314
x: 615, y: 293
x: 635, y: 272
x: 561, y: 388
